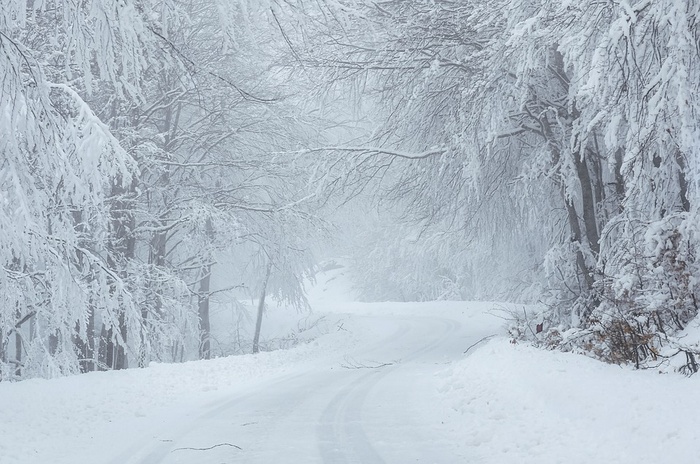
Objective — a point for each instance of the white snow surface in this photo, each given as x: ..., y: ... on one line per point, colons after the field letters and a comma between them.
x: 384, y: 383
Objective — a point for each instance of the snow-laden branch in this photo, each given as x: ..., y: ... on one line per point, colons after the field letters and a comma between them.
x: 380, y: 151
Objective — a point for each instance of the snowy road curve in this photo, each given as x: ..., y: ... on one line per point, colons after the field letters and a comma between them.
x: 378, y: 405
x: 385, y: 383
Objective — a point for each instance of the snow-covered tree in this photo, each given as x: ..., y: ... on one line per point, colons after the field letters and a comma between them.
x: 140, y: 139
x: 573, y: 128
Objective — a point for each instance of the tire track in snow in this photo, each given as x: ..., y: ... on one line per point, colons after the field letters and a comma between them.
x: 323, y: 413
x: 341, y: 435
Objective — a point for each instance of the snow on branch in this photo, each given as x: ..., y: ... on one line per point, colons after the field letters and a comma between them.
x: 94, y: 139
x: 380, y: 151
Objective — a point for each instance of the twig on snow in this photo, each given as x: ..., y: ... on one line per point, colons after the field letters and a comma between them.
x: 482, y: 340
x: 353, y: 364
x: 209, y: 448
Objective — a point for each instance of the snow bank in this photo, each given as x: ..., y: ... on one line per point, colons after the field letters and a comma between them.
x: 518, y: 404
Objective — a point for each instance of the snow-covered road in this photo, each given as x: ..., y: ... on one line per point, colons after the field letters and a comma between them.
x: 387, y: 383
x: 378, y: 403
x: 373, y: 383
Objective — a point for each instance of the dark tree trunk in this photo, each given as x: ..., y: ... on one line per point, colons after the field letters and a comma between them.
x: 112, y: 350
x: 18, y: 353
x: 113, y: 338
x: 571, y: 213
x: 204, y: 296
x: 588, y: 204
x: 682, y: 182
x: 204, y: 323
x: 575, y: 227
x: 86, y: 347
x: 3, y: 349
x: 582, y: 171
x: 53, y: 343
x: 261, y: 310
x: 619, y: 179
x: 597, y: 173
x: 156, y: 257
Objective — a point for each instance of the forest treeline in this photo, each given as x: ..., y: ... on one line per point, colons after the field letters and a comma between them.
x: 530, y: 149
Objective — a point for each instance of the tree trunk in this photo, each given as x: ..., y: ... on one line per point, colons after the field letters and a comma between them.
x: 156, y: 258
x: 682, y: 182
x: 619, y: 179
x: 53, y: 343
x: 576, y: 238
x: 3, y: 352
x: 572, y: 215
x: 18, y: 353
x: 86, y: 347
x: 588, y: 203
x: 597, y: 172
x: 113, y: 339
x: 204, y: 296
x: 261, y: 309
x: 204, y: 322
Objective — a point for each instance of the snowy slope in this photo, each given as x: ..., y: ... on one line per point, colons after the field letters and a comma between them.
x: 523, y: 405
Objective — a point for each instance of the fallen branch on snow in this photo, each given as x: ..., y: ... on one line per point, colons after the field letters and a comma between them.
x: 353, y: 364
x: 209, y: 448
x: 482, y: 340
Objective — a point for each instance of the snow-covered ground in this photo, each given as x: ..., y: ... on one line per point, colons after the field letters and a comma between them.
x: 383, y: 382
